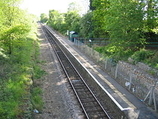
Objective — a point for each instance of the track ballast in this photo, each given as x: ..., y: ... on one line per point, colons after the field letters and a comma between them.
x: 91, y: 106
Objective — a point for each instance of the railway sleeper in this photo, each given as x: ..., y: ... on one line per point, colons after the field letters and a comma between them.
x: 84, y: 92
x: 82, y: 89
x: 88, y: 100
x: 94, y: 110
x: 97, y: 116
x: 100, y: 115
x: 90, y: 103
x: 79, y: 87
x: 78, y: 82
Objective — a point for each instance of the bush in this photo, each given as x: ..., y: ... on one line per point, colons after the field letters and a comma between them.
x: 146, y: 56
x: 142, y: 55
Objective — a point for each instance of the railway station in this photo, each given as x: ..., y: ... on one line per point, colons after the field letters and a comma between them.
x: 79, y: 59
x: 115, y: 101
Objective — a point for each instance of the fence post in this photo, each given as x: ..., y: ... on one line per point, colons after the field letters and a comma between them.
x: 106, y: 62
x: 130, y: 81
x: 116, y: 70
x: 151, y: 96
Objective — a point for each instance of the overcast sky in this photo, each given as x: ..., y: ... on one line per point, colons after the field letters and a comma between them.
x: 43, y: 6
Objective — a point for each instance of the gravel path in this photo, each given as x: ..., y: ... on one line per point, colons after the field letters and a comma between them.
x: 59, y: 100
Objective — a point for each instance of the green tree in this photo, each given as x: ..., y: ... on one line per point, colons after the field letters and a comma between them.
x: 123, y: 21
x: 72, y: 19
x: 100, y: 8
x: 12, y: 17
x: 86, y: 26
x: 43, y: 18
x: 65, y: 21
x: 151, y: 11
x: 56, y: 19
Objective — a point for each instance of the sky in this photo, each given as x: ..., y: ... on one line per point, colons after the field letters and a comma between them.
x: 43, y: 6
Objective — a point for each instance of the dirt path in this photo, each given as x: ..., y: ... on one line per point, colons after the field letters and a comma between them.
x: 59, y: 102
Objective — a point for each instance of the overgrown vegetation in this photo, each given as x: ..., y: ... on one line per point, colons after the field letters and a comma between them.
x: 18, y: 60
x: 129, y: 25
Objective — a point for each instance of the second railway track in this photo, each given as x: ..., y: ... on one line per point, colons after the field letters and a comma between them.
x: 91, y: 106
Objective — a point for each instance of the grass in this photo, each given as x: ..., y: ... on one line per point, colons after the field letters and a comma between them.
x: 36, y: 98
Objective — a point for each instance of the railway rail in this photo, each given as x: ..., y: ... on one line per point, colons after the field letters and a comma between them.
x: 89, y: 103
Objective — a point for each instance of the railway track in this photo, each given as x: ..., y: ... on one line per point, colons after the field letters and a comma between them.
x: 92, y: 108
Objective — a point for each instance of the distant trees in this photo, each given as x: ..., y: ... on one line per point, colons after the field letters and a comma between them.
x: 72, y: 19
x: 43, y: 18
x: 56, y: 20
x: 87, y: 29
x: 65, y: 21
x: 129, y: 24
x: 126, y: 22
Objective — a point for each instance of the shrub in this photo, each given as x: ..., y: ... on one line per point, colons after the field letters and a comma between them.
x: 142, y: 55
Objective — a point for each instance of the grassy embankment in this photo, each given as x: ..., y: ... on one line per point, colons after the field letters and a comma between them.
x: 18, y: 95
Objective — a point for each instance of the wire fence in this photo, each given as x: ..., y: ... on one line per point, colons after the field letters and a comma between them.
x: 105, y: 41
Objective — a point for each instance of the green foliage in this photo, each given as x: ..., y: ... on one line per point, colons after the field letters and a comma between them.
x: 72, y: 19
x: 125, y: 22
x: 17, y: 54
x: 38, y: 72
x: 142, y: 55
x: 56, y: 20
x: 65, y: 21
x: 43, y: 18
x: 128, y: 25
x: 151, y: 15
x: 36, y: 98
x: 86, y: 26
x: 146, y: 56
x: 14, y: 82
x: 101, y: 8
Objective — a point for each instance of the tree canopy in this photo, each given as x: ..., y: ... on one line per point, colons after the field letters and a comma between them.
x: 129, y: 25
x: 126, y: 22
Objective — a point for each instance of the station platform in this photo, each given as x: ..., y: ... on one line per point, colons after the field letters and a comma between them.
x: 126, y: 101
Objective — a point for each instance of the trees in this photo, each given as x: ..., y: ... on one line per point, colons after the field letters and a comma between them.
x: 129, y: 24
x: 14, y: 24
x: 65, y: 21
x: 125, y: 21
x: 72, y: 19
x: 150, y: 9
x: 43, y: 18
x: 87, y: 26
x: 56, y: 20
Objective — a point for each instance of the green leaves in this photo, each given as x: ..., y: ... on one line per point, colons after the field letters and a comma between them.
x: 43, y: 18
x: 123, y: 20
x: 16, y: 58
x: 64, y: 21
